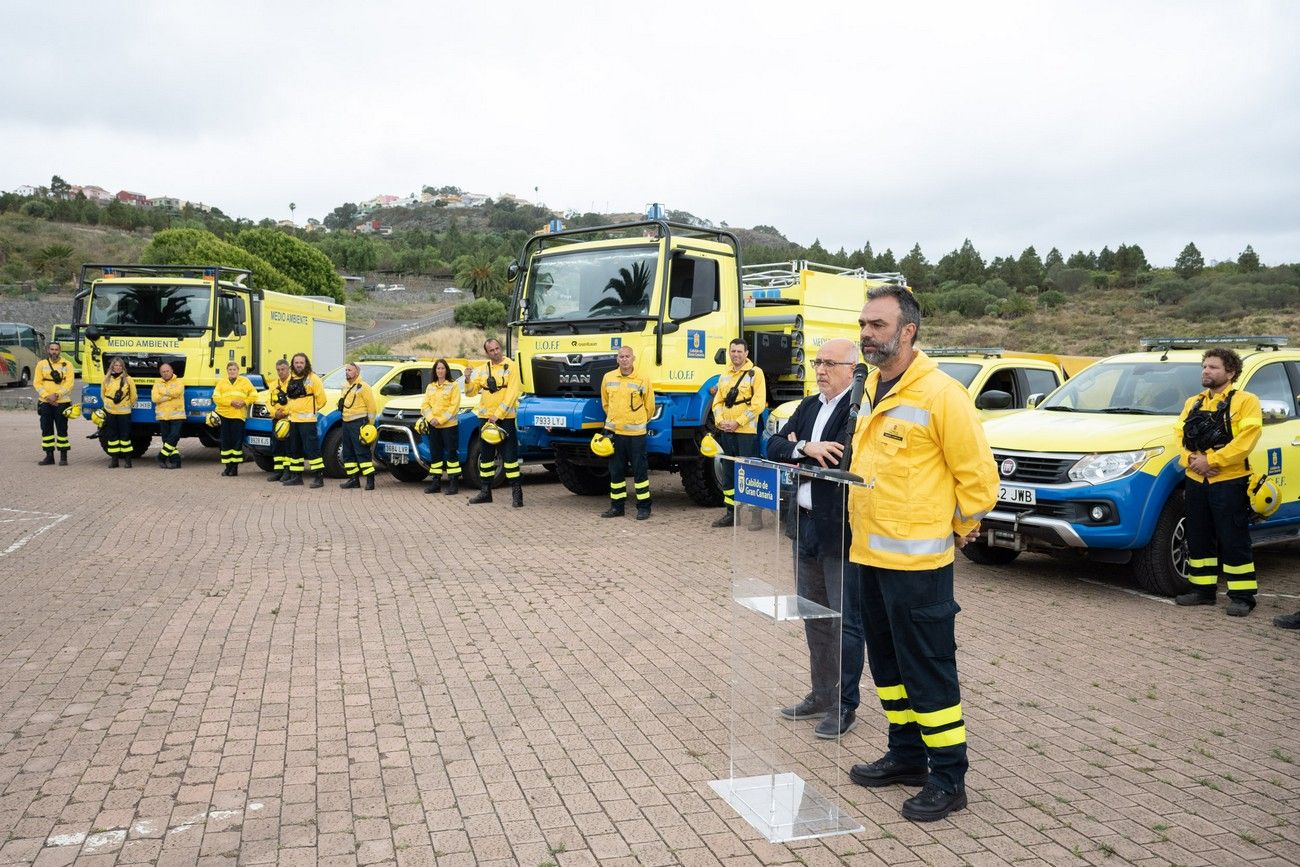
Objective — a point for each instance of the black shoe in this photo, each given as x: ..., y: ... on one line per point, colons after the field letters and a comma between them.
x: 276, y: 476
x: 830, y: 727
x: 113, y: 463
x: 234, y: 469
x: 1239, y: 607
x: 453, y: 487
x: 352, y: 482
x: 932, y: 803
x: 484, y: 495
x: 728, y: 518
x: 370, y: 482
x: 176, y: 462
x: 517, y: 495
x: 47, y: 461
x: 642, y: 513
x: 434, y: 487
x: 126, y: 462
x: 226, y: 470
x: 318, y: 482
x: 162, y: 461
x: 888, y: 771
x: 292, y: 479
x: 810, y: 707
x: 63, y: 459
x: 1287, y: 621
x: 1195, y: 597
x: 612, y: 512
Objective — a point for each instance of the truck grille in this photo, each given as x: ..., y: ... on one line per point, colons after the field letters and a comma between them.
x: 1032, y: 469
x: 570, y: 376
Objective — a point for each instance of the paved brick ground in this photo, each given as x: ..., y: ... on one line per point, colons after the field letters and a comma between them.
x: 217, y: 671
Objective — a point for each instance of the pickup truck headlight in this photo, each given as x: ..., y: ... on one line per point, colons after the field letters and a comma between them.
x: 773, y: 424
x: 1107, y: 467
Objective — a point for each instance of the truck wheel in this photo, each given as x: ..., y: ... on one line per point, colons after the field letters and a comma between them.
x: 26, y: 378
x: 208, y: 438
x: 103, y: 441
x: 1161, y: 567
x: 265, y: 463
x: 582, y: 480
x: 987, y: 555
x: 409, y: 473
x: 332, y: 451
x: 140, y: 443
x: 702, y: 482
x: 469, y: 469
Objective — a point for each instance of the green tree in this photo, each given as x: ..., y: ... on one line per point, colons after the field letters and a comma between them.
x: 1189, y: 263
x: 479, y: 274
x: 1053, y: 259
x: 1248, y: 261
x: 59, y: 188
x: 485, y: 313
x: 55, y: 262
x: 965, y: 265
x: 200, y: 247
x: 1029, y: 269
x: 915, y: 268
x: 297, y: 260
x: 1129, y: 261
x: 342, y: 217
x: 1105, y: 260
x: 885, y: 262
x: 1080, y: 259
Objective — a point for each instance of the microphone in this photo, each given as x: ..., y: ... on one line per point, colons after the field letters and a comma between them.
x: 855, y: 393
x: 850, y: 424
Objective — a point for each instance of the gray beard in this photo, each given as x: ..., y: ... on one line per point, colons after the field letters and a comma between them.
x: 884, y: 353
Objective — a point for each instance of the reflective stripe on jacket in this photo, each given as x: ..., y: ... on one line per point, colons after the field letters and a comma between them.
x: 629, y: 402
x: 109, y: 390
x: 168, y: 399
x: 751, y: 398
x: 305, y: 408
x: 441, y: 404
x: 44, y: 383
x: 1247, y: 423
x: 503, y: 401
x: 226, y: 391
x: 358, y: 402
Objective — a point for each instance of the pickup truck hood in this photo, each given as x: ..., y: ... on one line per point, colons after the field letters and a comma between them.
x: 1046, y: 431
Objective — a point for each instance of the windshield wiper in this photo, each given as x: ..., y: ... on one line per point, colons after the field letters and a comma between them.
x: 1129, y: 410
x: 1058, y: 408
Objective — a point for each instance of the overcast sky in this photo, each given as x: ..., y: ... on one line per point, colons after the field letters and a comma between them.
x: 1054, y: 124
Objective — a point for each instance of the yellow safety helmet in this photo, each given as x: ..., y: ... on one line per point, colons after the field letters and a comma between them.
x: 72, y: 411
x: 602, y: 446
x: 213, y: 420
x: 709, y: 447
x: 97, y: 418
x: 1264, y: 496
x: 422, y: 425
x: 282, y: 429
x: 492, y: 434
x: 369, y: 433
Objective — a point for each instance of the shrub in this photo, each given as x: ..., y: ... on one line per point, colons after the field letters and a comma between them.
x: 1016, y: 306
x: 199, y: 247
x: 485, y: 313
x: 1101, y: 280
x: 1170, y: 290
x: 967, y: 300
x: 1051, y: 298
x: 997, y: 287
x: 298, y: 260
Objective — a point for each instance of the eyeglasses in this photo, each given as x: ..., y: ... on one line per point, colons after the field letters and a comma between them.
x: 819, y: 363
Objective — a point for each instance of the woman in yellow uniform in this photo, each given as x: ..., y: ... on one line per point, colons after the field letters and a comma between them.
x: 306, y: 394
x: 440, y: 410
x: 168, y: 396
x: 357, y: 406
x: 232, y: 397
x: 118, y: 393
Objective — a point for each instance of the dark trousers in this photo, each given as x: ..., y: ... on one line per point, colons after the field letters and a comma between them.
x: 356, y: 454
x: 279, y: 452
x: 509, y: 451
x: 232, y: 440
x: 444, y: 450
x: 169, y: 431
x: 117, y: 434
x: 909, y: 620
x: 54, y: 426
x: 629, y: 450
x: 738, y: 445
x: 1218, y: 538
x: 304, y: 448
x: 835, y: 650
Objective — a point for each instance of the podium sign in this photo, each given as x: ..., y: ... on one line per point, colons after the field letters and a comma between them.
x: 786, y: 629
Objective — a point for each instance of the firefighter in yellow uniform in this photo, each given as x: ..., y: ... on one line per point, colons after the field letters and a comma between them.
x: 118, y: 392
x: 738, y: 403
x: 498, y: 384
x: 53, y: 380
x: 357, y: 406
x: 930, y: 479
x: 306, y: 396
x: 168, y: 395
x: 440, y: 410
x: 629, y: 401
x: 1218, y: 429
x: 233, y: 396
x: 277, y: 401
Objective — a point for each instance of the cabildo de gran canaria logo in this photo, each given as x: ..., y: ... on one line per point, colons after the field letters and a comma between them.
x: 756, y: 486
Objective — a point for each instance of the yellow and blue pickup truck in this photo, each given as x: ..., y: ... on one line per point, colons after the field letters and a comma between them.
x: 1092, y: 469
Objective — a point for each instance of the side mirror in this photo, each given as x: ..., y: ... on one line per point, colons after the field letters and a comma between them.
x: 1274, y: 411
x: 720, y: 357
x: 512, y: 270
x: 92, y: 333
x: 993, y: 399
x: 1033, y: 399
x: 391, y: 388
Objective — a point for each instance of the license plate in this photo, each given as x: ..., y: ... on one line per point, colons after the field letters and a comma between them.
x: 143, y: 404
x: 1017, y: 496
x: 398, y: 458
x: 550, y: 421
x: 258, y: 441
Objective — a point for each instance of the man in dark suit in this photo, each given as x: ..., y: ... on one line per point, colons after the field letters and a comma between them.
x: 814, y: 434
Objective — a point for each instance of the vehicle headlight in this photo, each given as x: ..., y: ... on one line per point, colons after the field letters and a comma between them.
x: 1107, y: 467
x: 773, y: 424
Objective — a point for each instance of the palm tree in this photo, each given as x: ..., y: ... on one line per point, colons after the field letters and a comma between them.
x: 292, y: 207
x: 478, y: 274
x: 631, y: 287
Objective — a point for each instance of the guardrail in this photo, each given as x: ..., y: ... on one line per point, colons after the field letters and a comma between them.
x: 442, y: 317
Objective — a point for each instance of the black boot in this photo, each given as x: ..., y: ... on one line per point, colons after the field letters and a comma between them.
x: 234, y: 469
x: 370, y: 482
x: 225, y: 471
x: 162, y: 460
x: 126, y: 462
x: 63, y: 457
x: 517, y: 494
x: 453, y: 486
x: 319, y: 481
x: 176, y: 462
x: 48, y: 460
x: 113, y: 463
x: 276, y: 476
x: 615, y: 510
x: 352, y: 482
x: 727, y: 519
x: 642, y: 511
x: 291, y: 479
x: 434, y: 486
x: 484, y: 494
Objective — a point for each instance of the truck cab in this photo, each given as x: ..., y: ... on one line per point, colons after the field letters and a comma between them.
x: 1093, y: 470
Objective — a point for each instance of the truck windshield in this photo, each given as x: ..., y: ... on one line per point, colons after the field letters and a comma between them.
x: 149, y: 304
x: 592, y: 284
x: 961, y: 371
x: 1137, y: 387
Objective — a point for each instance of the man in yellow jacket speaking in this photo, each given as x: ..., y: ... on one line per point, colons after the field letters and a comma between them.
x: 929, y: 479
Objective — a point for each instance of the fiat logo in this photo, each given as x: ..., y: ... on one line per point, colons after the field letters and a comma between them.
x: 1008, y: 468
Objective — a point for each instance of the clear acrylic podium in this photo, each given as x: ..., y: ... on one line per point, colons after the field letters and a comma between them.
x: 779, y: 770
